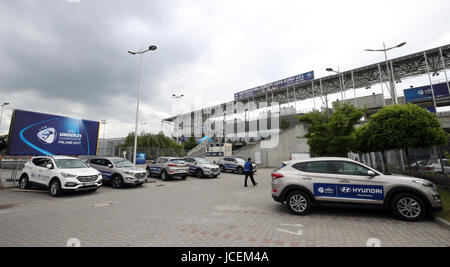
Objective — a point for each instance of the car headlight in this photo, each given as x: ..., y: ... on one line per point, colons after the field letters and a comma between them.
x: 424, y: 183
x: 68, y: 175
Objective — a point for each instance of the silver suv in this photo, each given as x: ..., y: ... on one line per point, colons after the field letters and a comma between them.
x: 233, y: 164
x: 202, y: 167
x: 168, y: 167
x: 119, y: 171
x: 304, y: 183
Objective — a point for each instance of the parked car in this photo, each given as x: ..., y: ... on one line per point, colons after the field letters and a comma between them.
x: 420, y: 165
x: 59, y: 174
x: 119, y: 171
x: 434, y: 166
x: 233, y: 164
x: 168, y: 167
x: 340, y: 181
x: 202, y: 167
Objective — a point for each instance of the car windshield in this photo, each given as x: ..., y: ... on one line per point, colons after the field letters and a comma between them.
x: 122, y: 163
x: 70, y: 164
x: 203, y: 161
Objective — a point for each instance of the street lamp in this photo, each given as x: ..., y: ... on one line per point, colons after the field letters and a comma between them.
x: 391, y: 79
x: 177, y: 98
x: 151, y: 48
x: 341, y: 83
x: 1, y: 116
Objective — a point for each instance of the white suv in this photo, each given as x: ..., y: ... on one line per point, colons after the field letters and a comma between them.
x: 59, y: 173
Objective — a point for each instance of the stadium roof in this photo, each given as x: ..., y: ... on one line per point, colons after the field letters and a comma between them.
x: 408, y: 66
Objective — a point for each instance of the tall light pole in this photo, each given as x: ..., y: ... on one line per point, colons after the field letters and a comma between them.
x: 141, y: 53
x: 1, y: 116
x: 391, y: 79
x: 340, y: 81
x: 177, y: 98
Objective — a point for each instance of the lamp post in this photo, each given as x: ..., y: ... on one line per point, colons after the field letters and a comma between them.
x: 1, y: 116
x: 340, y: 81
x: 141, y: 53
x: 177, y: 98
x: 391, y: 79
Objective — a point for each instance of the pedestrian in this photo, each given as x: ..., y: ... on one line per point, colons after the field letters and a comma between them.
x: 248, y: 170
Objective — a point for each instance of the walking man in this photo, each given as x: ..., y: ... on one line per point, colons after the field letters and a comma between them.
x: 248, y: 170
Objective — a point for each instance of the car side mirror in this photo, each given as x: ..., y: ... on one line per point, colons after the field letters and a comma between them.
x: 110, y: 165
x: 49, y: 166
x: 371, y: 174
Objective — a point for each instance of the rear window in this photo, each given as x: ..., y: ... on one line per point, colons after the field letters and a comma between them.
x: 178, y: 161
x: 281, y: 167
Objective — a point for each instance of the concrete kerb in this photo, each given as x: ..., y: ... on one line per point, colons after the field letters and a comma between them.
x: 442, y: 222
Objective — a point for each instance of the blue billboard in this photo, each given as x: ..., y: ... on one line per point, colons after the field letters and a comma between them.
x: 421, y: 94
x: 34, y: 133
x: 308, y: 76
x: 140, y: 158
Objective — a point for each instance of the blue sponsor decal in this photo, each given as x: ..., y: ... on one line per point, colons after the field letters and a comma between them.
x: 155, y: 169
x: 372, y: 192
x: 106, y: 175
x: 230, y: 166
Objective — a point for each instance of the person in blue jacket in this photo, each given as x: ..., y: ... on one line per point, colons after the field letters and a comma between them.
x: 248, y: 170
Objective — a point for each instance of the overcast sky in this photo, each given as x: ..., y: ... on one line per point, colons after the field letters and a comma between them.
x: 70, y: 58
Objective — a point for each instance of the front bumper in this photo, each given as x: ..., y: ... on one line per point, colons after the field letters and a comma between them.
x: 83, y: 187
x: 133, y: 180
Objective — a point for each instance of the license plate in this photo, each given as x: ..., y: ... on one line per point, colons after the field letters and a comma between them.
x: 89, y: 184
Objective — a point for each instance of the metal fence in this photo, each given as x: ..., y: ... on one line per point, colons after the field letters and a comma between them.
x: 151, y: 152
x: 397, y: 160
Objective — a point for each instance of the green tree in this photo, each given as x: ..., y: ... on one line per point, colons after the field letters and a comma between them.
x: 403, y: 127
x: 190, y: 143
x: 332, y: 134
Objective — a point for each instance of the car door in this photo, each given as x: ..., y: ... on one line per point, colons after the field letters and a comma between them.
x: 43, y: 173
x: 102, y: 166
x: 192, y: 165
x: 356, y: 185
x: 34, y: 168
x: 320, y: 178
x: 230, y: 164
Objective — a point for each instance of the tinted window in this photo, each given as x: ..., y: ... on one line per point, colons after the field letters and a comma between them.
x: 350, y: 168
x: 39, y: 162
x: 178, y: 161
x: 315, y: 167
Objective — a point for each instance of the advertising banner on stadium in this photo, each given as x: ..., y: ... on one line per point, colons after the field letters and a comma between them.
x: 424, y: 93
x: 34, y: 133
x: 308, y: 76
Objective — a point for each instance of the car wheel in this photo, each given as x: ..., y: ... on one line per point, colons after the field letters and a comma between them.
x: 23, y: 182
x: 222, y: 168
x: 199, y: 173
x: 164, y: 175
x: 149, y: 172
x: 298, y: 203
x: 408, y: 207
x: 240, y: 170
x: 117, y: 182
x: 55, y: 188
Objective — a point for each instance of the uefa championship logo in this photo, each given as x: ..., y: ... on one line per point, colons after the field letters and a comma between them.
x: 47, y: 135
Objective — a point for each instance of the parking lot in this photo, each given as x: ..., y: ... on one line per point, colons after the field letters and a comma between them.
x: 196, y: 212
